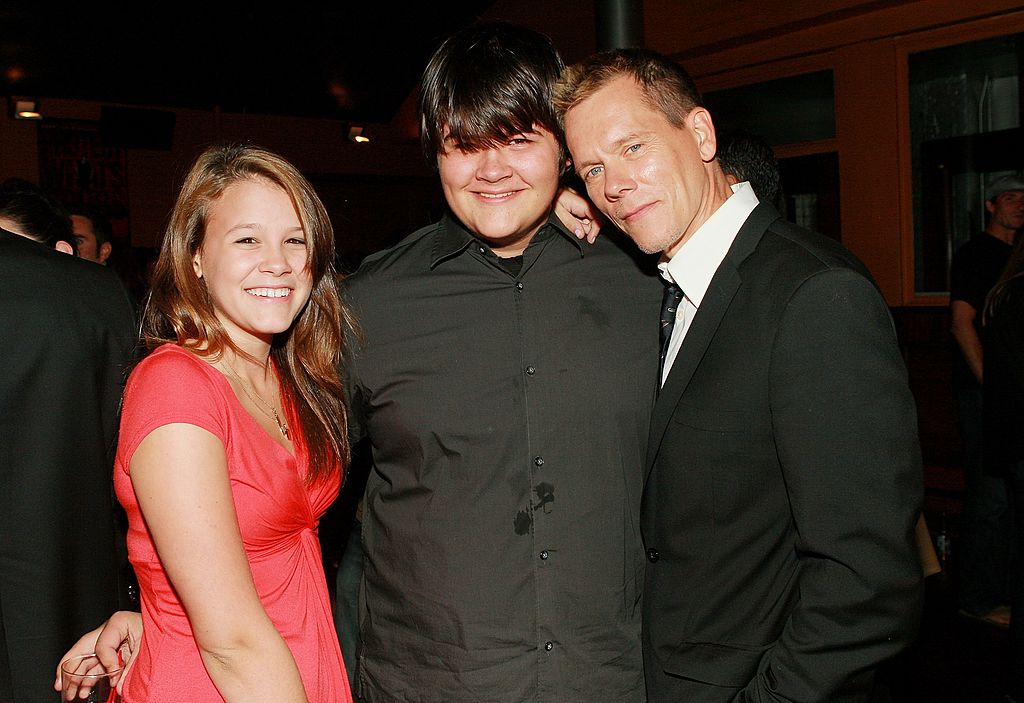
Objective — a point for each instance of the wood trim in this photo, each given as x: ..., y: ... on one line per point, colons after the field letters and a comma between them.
x: 822, y: 146
x: 968, y: 31
x: 828, y: 30
x: 870, y: 162
x: 927, y: 301
x: 906, y: 185
x: 770, y: 71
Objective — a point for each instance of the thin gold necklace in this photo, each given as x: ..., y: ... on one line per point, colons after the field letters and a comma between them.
x: 260, y: 403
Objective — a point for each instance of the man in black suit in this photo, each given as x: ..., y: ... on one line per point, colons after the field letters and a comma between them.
x: 783, y: 470
x: 70, y: 332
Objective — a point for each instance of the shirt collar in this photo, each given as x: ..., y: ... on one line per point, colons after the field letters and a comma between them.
x: 694, y: 265
x: 452, y: 238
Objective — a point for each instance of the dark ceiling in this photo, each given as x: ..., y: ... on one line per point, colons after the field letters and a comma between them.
x: 344, y: 60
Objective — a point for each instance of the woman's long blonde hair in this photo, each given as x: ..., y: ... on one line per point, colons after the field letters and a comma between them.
x: 308, y: 355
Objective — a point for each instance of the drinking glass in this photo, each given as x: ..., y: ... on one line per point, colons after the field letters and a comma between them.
x: 86, y: 673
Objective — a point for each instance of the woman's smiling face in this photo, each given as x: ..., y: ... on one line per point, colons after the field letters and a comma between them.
x: 254, y: 260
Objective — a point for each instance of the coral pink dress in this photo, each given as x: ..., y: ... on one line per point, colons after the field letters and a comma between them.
x: 277, y: 514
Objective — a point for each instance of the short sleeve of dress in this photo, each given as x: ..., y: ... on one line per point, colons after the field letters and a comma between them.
x: 170, y: 386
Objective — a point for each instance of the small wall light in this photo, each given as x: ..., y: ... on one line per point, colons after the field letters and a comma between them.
x: 25, y: 109
x: 355, y: 134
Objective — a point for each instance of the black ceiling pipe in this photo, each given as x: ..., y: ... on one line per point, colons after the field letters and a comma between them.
x: 620, y: 24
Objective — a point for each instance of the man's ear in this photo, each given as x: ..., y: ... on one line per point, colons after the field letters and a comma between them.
x: 704, y: 130
x: 104, y: 252
x: 63, y: 246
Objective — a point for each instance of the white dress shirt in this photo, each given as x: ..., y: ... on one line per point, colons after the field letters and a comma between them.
x: 697, y: 260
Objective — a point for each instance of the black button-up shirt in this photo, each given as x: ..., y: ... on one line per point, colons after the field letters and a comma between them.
x: 508, y: 415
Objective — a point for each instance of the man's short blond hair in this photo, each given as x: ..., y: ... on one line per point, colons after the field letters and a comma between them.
x: 667, y: 87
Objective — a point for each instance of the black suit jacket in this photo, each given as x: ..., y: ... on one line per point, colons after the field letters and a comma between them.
x: 69, y: 332
x: 784, y: 482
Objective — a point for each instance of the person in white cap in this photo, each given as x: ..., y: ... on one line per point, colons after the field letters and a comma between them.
x: 986, y: 519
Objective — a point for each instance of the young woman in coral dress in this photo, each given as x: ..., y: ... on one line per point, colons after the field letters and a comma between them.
x: 232, y: 440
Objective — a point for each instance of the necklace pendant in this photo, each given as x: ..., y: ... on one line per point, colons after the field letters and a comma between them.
x: 282, y: 426
x: 261, y: 404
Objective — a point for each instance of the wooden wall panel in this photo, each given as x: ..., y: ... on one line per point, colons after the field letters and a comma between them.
x: 711, y: 38
x: 869, y: 160
x: 672, y: 26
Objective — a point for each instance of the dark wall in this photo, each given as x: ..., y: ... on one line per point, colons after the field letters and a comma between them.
x: 927, y: 347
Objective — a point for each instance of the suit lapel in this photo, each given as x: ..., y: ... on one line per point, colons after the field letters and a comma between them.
x: 720, y: 293
x: 724, y: 285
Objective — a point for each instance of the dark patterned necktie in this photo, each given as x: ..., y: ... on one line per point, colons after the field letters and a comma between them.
x: 669, y: 305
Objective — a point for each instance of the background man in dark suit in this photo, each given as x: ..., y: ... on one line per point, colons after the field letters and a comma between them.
x: 783, y: 467
x: 69, y: 333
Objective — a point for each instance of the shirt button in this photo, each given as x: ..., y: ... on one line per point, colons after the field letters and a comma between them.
x: 538, y: 461
x: 652, y: 555
x: 482, y: 250
x: 544, y: 555
x: 519, y: 285
x: 548, y: 646
x: 530, y: 370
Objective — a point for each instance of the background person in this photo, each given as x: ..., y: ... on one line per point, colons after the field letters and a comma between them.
x: 747, y: 157
x: 1003, y: 336
x: 28, y: 211
x: 92, y: 235
x: 70, y: 335
x: 987, y: 514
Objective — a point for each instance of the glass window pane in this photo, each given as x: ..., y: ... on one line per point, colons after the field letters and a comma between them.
x: 964, y: 132
x: 788, y: 110
x: 811, y: 188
